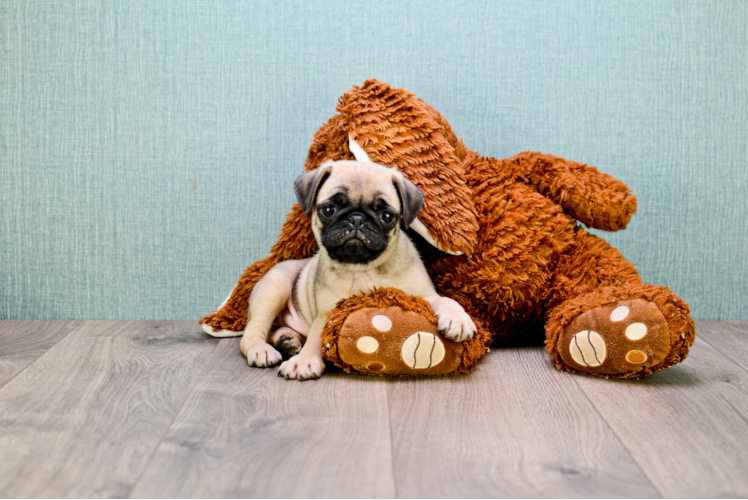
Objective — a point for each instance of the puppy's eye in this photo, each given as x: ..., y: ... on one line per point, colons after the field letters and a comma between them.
x: 328, y: 210
x: 387, y: 217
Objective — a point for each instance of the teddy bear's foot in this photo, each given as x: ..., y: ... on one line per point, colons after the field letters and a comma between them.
x: 390, y: 341
x: 213, y: 324
x: 220, y: 333
x: 627, y: 336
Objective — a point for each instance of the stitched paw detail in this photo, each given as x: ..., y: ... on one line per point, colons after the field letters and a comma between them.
x: 588, y: 349
x: 623, y: 337
x: 391, y: 341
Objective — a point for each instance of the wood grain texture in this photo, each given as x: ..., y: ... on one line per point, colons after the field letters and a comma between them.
x: 728, y: 337
x: 515, y: 428
x: 22, y: 342
x: 85, y: 418
x: 244, y: 432
x: 98, y: 415
x: 686, y: 427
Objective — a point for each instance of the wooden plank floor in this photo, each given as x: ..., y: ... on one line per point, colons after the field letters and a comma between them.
x: 158, y: 409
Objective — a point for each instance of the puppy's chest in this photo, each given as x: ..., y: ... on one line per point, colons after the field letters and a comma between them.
x: 343, y: 286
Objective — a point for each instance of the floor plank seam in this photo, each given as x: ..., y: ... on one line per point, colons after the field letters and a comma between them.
x: 392, y: 443
x: 726, y: 356
x: 176, y: 415
x: 82, y: 322
x: 623, y: 444
x: 704, y: 401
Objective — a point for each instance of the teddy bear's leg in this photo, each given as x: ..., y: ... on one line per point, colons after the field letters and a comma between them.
x: 390, y: 341
x: 389, y: 332
x: 601, y: 319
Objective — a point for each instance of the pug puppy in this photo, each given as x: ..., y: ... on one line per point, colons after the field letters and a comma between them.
x: 359, y: 213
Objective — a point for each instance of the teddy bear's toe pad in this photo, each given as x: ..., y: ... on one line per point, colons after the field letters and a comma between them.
x: 390, y: 341
x: 622, y: 337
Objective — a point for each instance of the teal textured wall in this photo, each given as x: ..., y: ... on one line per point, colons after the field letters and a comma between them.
x: 148, y: 149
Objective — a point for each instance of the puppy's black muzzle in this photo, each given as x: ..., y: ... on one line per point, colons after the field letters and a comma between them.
x: 354, y: 239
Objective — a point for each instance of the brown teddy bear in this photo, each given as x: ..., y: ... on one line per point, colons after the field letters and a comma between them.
x: 500, y: 237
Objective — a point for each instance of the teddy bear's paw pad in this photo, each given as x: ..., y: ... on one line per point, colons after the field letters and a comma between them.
x: 587, y: 348
x: 623, y: 337
x: 423, y: 350
x: 391, y: 341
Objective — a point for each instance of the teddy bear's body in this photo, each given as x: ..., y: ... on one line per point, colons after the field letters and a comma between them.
x: 562, y: 271
x: 527, y: 269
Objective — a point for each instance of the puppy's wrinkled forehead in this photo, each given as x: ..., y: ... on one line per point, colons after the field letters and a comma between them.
x: 364, y: 182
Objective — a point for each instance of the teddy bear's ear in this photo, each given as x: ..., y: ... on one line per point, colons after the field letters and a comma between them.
x: 394, y: 128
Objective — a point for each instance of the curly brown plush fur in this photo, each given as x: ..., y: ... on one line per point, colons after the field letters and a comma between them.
x: 528, y: 269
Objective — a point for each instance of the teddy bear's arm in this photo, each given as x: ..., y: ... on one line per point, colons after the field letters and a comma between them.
x: 231, y: 316
x: 594, y: 198
x: 296, y: 241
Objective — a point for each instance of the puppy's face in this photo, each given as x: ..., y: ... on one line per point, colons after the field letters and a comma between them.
x: 357, y: 208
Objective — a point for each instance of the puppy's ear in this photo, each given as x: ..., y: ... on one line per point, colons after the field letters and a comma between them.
x: 307, y: 186
x: 411, y: 199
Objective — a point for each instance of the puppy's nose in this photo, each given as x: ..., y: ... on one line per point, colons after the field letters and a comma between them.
x: 357, y: 220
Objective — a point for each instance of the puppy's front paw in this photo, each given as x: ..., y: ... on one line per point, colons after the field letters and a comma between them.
x: 457, y: 326
x: 302, y: 367
x: 262, y: 355
x: 454, y: 323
